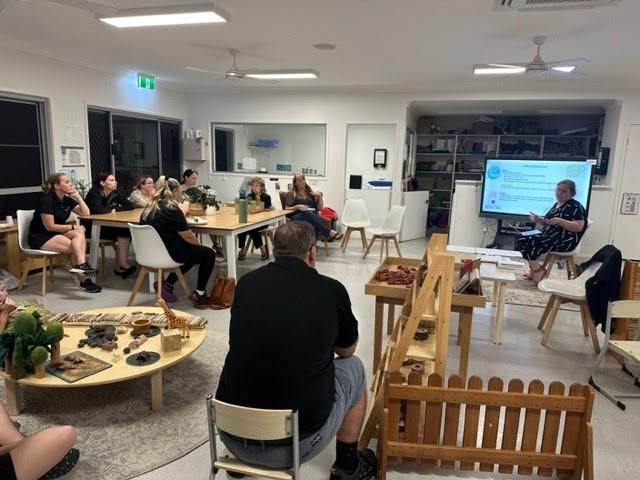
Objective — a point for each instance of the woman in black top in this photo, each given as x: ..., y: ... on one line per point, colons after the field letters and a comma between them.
x: 258, y: 193
x: 103, y: 197
x: 164, y: 214
x: 50, y: 231
x: 564, y: 225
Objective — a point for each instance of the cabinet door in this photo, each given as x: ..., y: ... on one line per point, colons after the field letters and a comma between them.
x: 415, y: 217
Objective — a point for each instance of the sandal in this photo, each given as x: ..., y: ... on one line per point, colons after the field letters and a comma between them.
x: 242, y: 256
x: 64, y: 466
x: 337, y: 236
x: 265, y: 256
x: 531, y: 273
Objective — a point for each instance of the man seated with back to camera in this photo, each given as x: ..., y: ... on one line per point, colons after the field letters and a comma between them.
x: 287, y: 324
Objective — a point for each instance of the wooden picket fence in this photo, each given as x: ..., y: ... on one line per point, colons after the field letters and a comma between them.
x: 556, y: 429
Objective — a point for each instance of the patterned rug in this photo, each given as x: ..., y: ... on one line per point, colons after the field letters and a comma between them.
x: 118, y: 435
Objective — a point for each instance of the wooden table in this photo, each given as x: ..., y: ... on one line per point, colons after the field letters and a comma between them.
x: 224, y: 223
x: 10, y: 235
x: 500, y: 277
x: 392, y: 295
x: 120, y: 371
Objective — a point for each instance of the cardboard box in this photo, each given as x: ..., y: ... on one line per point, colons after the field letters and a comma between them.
x: 424, y: 125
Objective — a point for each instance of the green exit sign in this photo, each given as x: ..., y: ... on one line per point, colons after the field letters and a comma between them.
x: 146, y: 81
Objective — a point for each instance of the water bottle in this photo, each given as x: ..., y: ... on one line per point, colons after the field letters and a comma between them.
x: 242, y: 207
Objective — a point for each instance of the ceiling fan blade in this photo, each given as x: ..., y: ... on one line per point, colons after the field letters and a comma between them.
x: 497, y: 69
x: 574, y: 62
x: 506, y: 65
x: 261, y: 80
x: 559, y: 73
x: 204, y: 70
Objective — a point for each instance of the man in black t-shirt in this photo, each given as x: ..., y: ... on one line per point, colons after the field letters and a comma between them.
x: 287, y: 324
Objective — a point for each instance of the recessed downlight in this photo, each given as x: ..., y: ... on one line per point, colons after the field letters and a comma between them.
x: 324, y: 46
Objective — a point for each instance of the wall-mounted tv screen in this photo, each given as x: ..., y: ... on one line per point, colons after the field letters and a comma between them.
x: 514, y: 187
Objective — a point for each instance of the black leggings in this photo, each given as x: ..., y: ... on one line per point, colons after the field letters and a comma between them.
x: 255, y: 236
x: 192, y: 255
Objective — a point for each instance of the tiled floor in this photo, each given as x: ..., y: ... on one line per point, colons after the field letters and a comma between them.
x: 567, y: 357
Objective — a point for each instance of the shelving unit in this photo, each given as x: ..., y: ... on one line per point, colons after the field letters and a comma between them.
x: 441, y: 159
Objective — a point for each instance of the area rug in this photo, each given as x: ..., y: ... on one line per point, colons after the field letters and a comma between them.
x: 118, y: 435
x: 523, y: 292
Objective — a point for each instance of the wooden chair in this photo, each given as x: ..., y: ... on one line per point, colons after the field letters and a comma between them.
x: 567, y: 257
x: 389, y: 231
x: 627, y: 349
x: 568, y: 291
x: 356, y: 218
x: 254, y: 424
x: 152, y: 256
x: 327, y: 222
x: 48, y: 257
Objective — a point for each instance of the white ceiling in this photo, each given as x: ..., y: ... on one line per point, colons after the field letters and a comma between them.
x: 383, y: 45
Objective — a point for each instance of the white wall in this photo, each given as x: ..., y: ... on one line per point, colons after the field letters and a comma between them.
x: 69, y: 89
x: 362, y: 139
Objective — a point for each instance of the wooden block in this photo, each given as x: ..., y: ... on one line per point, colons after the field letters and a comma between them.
x: 170, y: 340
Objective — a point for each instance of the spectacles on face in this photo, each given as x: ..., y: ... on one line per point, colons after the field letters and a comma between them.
x: 562, y: 190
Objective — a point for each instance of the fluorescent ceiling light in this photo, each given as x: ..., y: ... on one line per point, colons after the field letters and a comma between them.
x: 567, y: 69
x: 497, y: 70
x: 169, y: 15
x: 283, y: 74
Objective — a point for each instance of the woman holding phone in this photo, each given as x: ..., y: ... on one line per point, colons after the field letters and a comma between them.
x: 564, y: 225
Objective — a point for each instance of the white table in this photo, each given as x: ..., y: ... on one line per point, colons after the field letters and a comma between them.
x: 224, y: 223
x: 500, y: 277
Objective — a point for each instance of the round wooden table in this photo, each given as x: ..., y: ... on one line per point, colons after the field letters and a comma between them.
x: 120, y: 370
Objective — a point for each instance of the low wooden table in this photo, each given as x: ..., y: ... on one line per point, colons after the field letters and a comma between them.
x: 392, y: 295
x: 500, y: 277
x: 119, y: 371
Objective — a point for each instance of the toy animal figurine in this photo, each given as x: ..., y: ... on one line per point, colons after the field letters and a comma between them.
x: 174, y: 321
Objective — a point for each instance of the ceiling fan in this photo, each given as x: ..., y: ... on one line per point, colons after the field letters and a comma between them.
x: 537, y: 66
x: 235, y: 73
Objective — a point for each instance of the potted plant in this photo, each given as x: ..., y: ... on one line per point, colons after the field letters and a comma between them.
x: 81, y: 186
x: 200, y: 198
x: 56, y: 333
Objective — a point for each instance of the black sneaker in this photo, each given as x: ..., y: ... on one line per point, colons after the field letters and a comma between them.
x: 365, y: 470
x: 84, y: 269
x: 64, y: 466
x: 90, y: 287
x: 199, y: 301
x: 219, y: 251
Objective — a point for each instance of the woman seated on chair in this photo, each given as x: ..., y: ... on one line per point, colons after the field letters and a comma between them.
x: 142, y: 192
x: 305, y: 205
x: 258, y: 193
x: 50, y: 231
x: 103, y: 197
x: 564, y: 225
x: 163, y: 213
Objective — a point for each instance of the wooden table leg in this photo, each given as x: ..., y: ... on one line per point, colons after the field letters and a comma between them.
x: 377, y: 335
x: 464, y: 323
x: 496, y: 292
x: 94, y: 248
x: 390, y: 318
x: 156, y: 391
x: 13, y: 254
x: 497, y: 331
x: 14, y: 397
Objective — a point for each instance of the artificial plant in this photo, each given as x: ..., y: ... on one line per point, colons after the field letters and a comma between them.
x: 204, y: 195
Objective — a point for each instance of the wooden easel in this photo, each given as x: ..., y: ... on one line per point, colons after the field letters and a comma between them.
x: 430, y: 302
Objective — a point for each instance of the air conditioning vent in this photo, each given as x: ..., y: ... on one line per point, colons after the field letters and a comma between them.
x: 528, y: 5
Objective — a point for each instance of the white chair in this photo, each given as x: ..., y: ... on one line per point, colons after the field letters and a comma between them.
x: 568, y: 257
x: 48, y: 257
x: 254, y: 424
x: 569, y: 291
x: 356, y: 218
x: 628, y: 349
x: 389, y: 231
x: 152, y: 256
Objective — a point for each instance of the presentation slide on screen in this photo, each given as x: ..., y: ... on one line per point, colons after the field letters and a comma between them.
x: 517, y: 187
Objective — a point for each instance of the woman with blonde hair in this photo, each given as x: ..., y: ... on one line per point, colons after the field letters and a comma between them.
x: 305, y: 205
x: 259, y: 194
x: 163, y: 213
x: 49, y: 229
x: 142, y: 192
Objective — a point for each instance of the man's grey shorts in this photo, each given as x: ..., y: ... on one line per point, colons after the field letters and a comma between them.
x: 349, y: 385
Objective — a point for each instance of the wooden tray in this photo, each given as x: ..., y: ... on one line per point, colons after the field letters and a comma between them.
x: 383, y: 289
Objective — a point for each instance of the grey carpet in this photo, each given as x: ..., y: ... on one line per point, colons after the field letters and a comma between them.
x: 118, y: 434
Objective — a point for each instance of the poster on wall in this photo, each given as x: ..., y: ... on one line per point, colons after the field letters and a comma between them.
x: 73, y: 156
x: 630, y: 203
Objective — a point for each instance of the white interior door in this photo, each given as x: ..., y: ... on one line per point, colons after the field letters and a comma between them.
x: 415, y: 217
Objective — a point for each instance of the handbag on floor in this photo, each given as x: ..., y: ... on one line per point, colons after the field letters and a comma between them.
x: 222, y: 292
